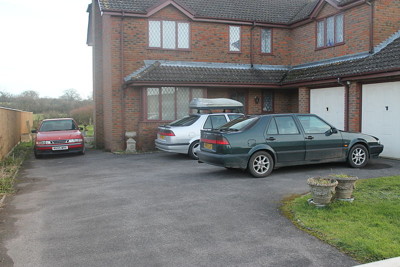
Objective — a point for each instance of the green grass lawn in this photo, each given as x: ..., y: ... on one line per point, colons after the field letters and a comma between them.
x: 367, y: 229
x: 9, y: 166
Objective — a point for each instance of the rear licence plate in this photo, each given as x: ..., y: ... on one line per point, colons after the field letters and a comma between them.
x: 208, y: 146
x: 59, y: 148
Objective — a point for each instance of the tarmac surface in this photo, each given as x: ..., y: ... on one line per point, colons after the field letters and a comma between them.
x: 161, y: 209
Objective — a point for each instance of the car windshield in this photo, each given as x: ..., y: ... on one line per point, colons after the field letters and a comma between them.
x: 186, y: 121
x: 239, y: 123
x: 61, y: 125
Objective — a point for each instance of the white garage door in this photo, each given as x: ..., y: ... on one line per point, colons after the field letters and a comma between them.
x: 328, y: 103
x: 381, y: 115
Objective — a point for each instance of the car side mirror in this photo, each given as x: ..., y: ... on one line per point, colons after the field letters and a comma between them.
x: 80, y: 129
x: 331, y: 131
x: 34, y: 131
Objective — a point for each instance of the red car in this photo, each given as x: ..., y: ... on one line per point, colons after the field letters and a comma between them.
x: 58, y: 136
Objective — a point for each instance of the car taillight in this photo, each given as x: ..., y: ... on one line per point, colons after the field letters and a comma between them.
x: 218, y: 141
x: 166, y: 132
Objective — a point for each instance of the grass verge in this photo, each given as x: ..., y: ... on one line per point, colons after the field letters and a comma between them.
x: 10, y: 165
x: 367, y: 229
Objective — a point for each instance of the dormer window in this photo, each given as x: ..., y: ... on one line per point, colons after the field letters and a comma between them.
x: 166, y: 34
x: 330, y: 31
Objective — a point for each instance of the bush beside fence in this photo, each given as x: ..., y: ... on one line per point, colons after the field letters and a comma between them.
x: 15, y: 125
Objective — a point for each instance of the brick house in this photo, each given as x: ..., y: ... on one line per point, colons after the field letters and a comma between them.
x: 338, y: 59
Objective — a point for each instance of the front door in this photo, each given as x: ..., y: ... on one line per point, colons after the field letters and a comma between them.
x: 322, y: 142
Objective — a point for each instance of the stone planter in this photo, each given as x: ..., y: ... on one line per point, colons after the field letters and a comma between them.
x: 345, y: 187
x: 322, y: 190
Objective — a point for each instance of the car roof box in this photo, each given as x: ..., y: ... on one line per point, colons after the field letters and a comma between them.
x: 215, y: 103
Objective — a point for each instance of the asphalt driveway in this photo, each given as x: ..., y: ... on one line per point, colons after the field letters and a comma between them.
x: 161, y: 209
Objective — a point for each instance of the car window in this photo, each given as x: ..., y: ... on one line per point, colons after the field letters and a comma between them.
x: 186, y: 121
x: 62, y: 125
x: 313, y: 124
x: 272, y: 129
x: 286, y: 125
x: 239, y: 123
x: 234, y: 116
x: 215, y: 121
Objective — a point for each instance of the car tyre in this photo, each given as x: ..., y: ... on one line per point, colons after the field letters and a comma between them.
x: 194, y: 147
x: 37, y: 156
x: 261, y: 164
x: 358, y: 156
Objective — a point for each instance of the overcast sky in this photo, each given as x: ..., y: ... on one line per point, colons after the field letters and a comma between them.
x: 43, y: 47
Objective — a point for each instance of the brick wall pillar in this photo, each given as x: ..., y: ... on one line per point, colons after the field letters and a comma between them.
x: 304, y: 100
x: 354, y: 119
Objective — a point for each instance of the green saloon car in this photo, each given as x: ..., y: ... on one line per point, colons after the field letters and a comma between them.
x: 262, y: 143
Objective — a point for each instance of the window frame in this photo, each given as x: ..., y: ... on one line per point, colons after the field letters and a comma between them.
x: 145, y: 102
x: 325, y: 34
x: 177, y: 22
x: 240, y: 39
x: 270, y: 41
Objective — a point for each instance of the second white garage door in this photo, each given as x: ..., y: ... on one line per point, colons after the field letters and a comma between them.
x: 381, y: 115
x: 328, y: 103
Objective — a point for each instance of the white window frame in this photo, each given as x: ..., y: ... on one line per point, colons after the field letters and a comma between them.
x: 232, y: 41
x: 264, y: 40
x: 157, y: 35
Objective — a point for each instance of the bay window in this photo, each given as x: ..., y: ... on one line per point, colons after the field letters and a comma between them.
x: 169, y: 103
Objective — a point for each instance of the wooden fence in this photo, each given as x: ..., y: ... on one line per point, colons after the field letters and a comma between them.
x: 15, y: 125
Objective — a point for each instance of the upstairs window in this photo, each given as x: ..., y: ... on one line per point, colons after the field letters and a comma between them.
x: 266, y: 41
x: 234, y: 38
x: 330, y: 31
x: 169, y: 34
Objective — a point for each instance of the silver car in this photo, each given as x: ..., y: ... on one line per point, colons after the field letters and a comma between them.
x: 182, y: 136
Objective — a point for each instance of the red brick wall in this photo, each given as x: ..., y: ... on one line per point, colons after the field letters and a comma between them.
x: 387, y: 19
x: 304, y: 100
x: 98, y: 76
x: 354, y: 119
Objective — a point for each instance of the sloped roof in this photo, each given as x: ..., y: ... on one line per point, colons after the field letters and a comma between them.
x: 197, y: 72
x: 385, y: 60
x: 266, y: 11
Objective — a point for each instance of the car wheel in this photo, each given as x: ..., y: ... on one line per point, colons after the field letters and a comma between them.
x: 261, y: 164
x: 194, y: 147
x: 358, y: 156
x: 37, y: 156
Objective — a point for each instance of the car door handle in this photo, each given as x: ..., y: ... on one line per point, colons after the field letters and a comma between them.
x: 309, y: 137
x: 271, y: 139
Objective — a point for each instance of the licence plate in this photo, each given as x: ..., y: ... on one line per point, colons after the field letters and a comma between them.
x: 208, y: 146
x: 59, y: 148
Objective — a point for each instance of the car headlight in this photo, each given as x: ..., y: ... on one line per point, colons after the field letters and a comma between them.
x: 43, y: 142
x: 75, y: 140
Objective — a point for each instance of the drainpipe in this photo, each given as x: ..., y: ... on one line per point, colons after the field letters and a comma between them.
x: 371, y: 3
x: 347, y: 104
x: 251, y: 44
x: 122, y: 71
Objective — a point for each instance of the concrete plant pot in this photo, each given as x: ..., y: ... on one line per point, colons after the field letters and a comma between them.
x: 322, y: 190
x: 345, y: 187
